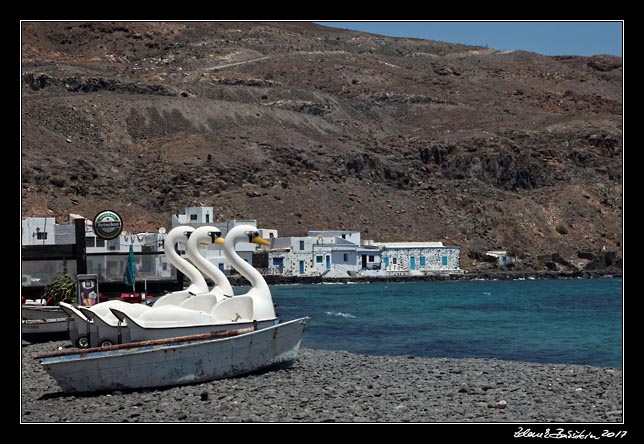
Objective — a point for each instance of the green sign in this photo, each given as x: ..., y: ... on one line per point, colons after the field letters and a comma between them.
x: 108, y: 225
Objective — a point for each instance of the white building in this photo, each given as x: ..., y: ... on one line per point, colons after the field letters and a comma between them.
x: 419, y: 258
x: 321, y: 253
x: 193, y: 215
x: 339, y: 254
x: 106, y: 258
x: 501, y: 257
x: 45, y: 231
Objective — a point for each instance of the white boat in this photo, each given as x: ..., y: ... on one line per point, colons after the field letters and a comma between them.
x: 83, y: 332
x: 184, y: 323
x: 176, y: 361
x: 44, y: 329
x: 107, y: 328
x: 36, y: 311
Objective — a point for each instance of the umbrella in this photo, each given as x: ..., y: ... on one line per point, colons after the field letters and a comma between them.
x: 130, y: 270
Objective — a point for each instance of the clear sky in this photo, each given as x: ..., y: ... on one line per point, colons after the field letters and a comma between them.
x: 547, y: 38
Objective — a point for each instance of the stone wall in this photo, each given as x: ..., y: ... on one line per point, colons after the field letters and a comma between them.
x: 433, y: 258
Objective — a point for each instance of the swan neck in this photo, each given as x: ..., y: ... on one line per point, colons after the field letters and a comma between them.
x: 253, y: 276
x: 183, y: 265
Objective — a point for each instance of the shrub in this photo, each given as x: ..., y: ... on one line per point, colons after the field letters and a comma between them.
x: 62, y: 289
x: 561, y: 229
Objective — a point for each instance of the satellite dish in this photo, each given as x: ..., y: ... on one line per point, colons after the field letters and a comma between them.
x: 161, y: 230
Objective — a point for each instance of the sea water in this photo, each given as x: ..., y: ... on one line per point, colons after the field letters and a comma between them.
x: 573, y: 321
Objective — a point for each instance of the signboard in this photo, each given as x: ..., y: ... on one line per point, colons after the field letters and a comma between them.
x: 108, y: 225
x: 87, y: 290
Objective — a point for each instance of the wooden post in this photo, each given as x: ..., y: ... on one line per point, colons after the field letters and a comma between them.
x: 81, y: 256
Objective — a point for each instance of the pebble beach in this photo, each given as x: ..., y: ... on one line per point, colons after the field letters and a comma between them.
x: 336, y: 386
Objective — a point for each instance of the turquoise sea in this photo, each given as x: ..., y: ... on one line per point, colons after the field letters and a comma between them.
x: 575, y: 321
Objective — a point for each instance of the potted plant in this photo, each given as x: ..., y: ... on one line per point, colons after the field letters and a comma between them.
x: 62, y: 289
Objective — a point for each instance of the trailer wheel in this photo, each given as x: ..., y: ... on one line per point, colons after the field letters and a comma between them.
x: 82, y: 342
x: 106, y: 343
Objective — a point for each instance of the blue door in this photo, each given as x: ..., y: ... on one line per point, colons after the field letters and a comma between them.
x: 386, y: 261
x: 412, y: 263
x: 301, y: 267
x: 328, y: 262
x: 278, y: 262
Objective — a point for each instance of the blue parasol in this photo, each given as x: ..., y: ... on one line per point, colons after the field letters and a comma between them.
x: 130, y: 270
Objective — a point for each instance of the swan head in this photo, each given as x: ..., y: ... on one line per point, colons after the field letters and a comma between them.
x: 255, y: 238
x: 179, y: 234
x: 215, y: 236
x: 243, y: 233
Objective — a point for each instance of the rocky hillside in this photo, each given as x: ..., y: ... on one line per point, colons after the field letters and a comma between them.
x: 305, y: 127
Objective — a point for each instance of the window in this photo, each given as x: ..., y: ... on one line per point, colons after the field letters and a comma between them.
x: 89, y: 242
x: 444, y: 260
x: 345, y: 257
x: 41, y: 235
x: 301, y: 245
x: 371, y: 258
x: 319, y: 259
x: 193, y: 217
x: 422, y: 261
x: 344, y: 236
x: 393, y: 261
x: 207, y: 217
x: 100, y: 242
x: 164, y: 266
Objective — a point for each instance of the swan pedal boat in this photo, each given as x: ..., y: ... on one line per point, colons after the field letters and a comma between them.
x: 202, y: 313
x: 96, y: 326
x: 176, y: 361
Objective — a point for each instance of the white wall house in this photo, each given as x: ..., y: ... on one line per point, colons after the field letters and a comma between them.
x: 39, y: 231
x: 336, y: 254
x: 330, y: 235
x: 502, y: 257
x: 325, y: 253
x: 193, y: 215
x: 419, y: 257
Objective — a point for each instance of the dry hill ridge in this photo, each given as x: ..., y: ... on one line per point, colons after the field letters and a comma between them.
x: 305, y: 127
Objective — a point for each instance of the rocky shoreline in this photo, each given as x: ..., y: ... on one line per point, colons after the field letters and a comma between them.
x: 236, y: 280
x: 336, y: 386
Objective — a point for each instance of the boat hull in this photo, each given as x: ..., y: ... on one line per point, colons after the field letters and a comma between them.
x: 44, y: 330
x: 41, y: 312
x: 178, y: 363
x: 138, y: 333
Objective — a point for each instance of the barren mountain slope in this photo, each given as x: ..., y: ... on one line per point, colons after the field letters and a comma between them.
x: 305, y: 127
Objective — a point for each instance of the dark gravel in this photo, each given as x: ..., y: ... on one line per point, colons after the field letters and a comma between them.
x: 329, y: 386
